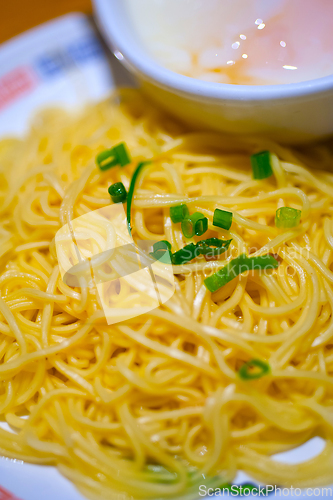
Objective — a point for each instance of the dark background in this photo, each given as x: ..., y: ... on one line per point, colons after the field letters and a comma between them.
x: 19, y: 15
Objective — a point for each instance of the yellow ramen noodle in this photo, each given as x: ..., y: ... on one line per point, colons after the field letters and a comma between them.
x: 154, y: 405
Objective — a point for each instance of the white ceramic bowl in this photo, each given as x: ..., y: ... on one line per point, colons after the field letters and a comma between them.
x: 288, y: 113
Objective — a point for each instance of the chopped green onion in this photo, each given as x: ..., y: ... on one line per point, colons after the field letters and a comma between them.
x: 131, y: 192
x: 261, y: 165
x: 118, y: 192
x: 122, y: 154
x: 226, y: 274
x: 106, y: 159
x: 187, y: 228
x: 250, y: 487
x: 179, y: 213
x: 262, y: 262
x: 287, y: 217
x: 213, y: 246
x: 161, y: 245
x: 196, y: 224
x: 222, y: 219
x: 201, y: 225
x: 184, y: 254
x: 246, y: 372
x: 162, y: 251
x: 117, y: 155
x: 238, y: 489
x: 162, y: 256
x: 225, y: 486
x: 237, y: 266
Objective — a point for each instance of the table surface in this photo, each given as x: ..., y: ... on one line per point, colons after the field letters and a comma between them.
x: 17, y: 16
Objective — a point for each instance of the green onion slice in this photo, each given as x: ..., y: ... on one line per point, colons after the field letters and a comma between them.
x: 179, y: 213
x: 118, y: 155
x: 247, y: 371
x: 222, y: 219
x: 238, y: 489
x: 131, y: 192
x: 261, y: 165
x: 118, y: 192
x: 201, y: 226
x: 162, y: 256
x: 162, y: 245
x: 162, y: 251
x: 184, y: 254
x: 187, y: 228
x: 122, y: 154
x: 211, y: 247
x: 237, y: 266
x: 106, y: 159
x: 226, y: 274
x: 196, y: 224
x: 262, y: 262
x: 287, y: 217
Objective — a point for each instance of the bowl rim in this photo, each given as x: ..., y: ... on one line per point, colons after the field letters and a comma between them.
x: 114, y: 25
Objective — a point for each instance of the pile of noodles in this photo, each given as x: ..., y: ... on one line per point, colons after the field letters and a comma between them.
x: 154, y: 406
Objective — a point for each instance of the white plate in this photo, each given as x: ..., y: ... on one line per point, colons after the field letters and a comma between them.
x: 64, y: 63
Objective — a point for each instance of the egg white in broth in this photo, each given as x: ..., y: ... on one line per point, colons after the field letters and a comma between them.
x: 251, y: 42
